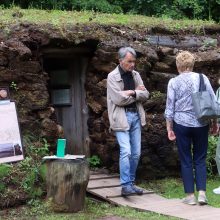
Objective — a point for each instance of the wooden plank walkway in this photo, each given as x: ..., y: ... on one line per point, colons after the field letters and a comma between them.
x: 108, y: 188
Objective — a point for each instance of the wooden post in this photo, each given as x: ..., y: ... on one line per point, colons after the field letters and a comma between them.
x: 66, y: 184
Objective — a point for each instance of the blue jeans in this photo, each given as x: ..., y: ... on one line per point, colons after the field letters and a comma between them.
x: 192, y: 146
x: 130, y: 149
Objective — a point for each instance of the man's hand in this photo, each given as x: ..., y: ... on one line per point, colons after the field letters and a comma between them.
x: 128, y: 92
x: 171, y: 135
x: 141, y: 87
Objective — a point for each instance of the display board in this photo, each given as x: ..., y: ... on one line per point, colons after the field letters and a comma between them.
x: 10, y: 138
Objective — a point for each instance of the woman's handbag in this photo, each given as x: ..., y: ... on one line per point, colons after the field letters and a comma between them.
x: 205, y: 106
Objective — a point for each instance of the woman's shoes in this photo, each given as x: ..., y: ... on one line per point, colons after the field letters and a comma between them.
x: 189, y: 200
x: 216, y: 190
x: 202, y: 200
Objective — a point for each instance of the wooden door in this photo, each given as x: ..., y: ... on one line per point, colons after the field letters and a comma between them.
x: 67, y: 79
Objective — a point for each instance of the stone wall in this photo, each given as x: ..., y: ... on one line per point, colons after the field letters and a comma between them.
x: 21, y: 63
x: 156, y: 65
x: 22, y: 72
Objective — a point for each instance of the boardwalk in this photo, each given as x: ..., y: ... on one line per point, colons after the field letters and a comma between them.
x: 108, y: 188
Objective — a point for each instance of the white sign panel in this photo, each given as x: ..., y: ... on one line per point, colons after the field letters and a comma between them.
x: 10, y: 139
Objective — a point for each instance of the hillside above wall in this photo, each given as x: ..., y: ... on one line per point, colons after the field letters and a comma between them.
x: 111, y: 29
x: 63, y: 19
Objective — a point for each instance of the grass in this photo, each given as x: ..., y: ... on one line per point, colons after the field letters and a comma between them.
x: 61, y: 18
x: 169, y: 188
x: 93, y: 210
x: 173, y: 188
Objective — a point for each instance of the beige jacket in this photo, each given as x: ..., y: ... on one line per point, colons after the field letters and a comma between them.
x: 116, y: 100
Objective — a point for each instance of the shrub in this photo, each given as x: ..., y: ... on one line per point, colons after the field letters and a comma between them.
x: 156, y: 95
x: 210, y: 161
x: 94, y: 161
x: 26, y: 176
x: 101, y: 6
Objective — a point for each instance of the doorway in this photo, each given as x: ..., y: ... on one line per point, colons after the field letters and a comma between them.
x: 67, y: 72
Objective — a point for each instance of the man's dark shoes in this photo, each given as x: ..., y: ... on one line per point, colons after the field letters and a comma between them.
x: 127, y: 190
x: 137, y: 190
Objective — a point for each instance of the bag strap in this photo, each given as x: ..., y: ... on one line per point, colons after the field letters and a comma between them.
x: 217, y: 94
x: 202, y: 86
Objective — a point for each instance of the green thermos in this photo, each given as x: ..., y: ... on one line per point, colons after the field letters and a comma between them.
x: 61, y: 145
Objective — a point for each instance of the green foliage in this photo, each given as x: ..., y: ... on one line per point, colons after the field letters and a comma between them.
x: 31, y: 168
x: 157, y: 95
x: 173, y: 188
x: 101, y: 5
x: 28, y: 175
x: 2, y: 188
x: 30, y: 172
x: 37, y: 207
x: 62, y: 19
x: 210, y: 161
x: 41, y: 210
x: 4, y: 170
x: 14, y: 86
x: 177, y: 9
x: 210, y: 43
x: 43, y: 172
x: 94, y: 161
x: 36, y: 148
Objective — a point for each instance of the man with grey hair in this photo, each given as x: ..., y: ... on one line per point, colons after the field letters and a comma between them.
x: 125, y: 95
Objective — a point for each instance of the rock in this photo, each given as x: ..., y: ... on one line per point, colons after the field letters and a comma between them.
x: 23, y: 51
x: 50, y: 130
x: 162, y: 67
x: 104, y: 67
x: 166, y: 50
x: 143, y: 65
x: 105, y: 55
x: 160, y: 80
x: 3, y: 59
x: 146, y: 51
x: 46, y: 113
x: 27, y: 66
x: 207, y: 58
x: 8, y: 75
x: 170, y: 60
x: 95, y: 106
x: 103, y: 84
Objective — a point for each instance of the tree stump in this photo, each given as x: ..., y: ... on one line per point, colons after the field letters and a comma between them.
x: 66, y: 184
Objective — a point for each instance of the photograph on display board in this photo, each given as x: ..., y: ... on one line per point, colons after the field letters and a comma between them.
x: 4, y: 93
x: 10, y: 138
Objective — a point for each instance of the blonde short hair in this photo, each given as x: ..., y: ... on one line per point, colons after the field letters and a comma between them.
x: 185, y: 61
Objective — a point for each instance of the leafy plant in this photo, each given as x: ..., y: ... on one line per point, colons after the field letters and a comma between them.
x: 27, y: 176
x: 210, y: 43
x: 36, y: 148
x: 94, y: 161
x: 210, y: 161
x: 2, y: 188
x: 43, y: 171
x: 156, y: 95
x: 14, y: 86
x: 4, y: 170
x: 38, y: 207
